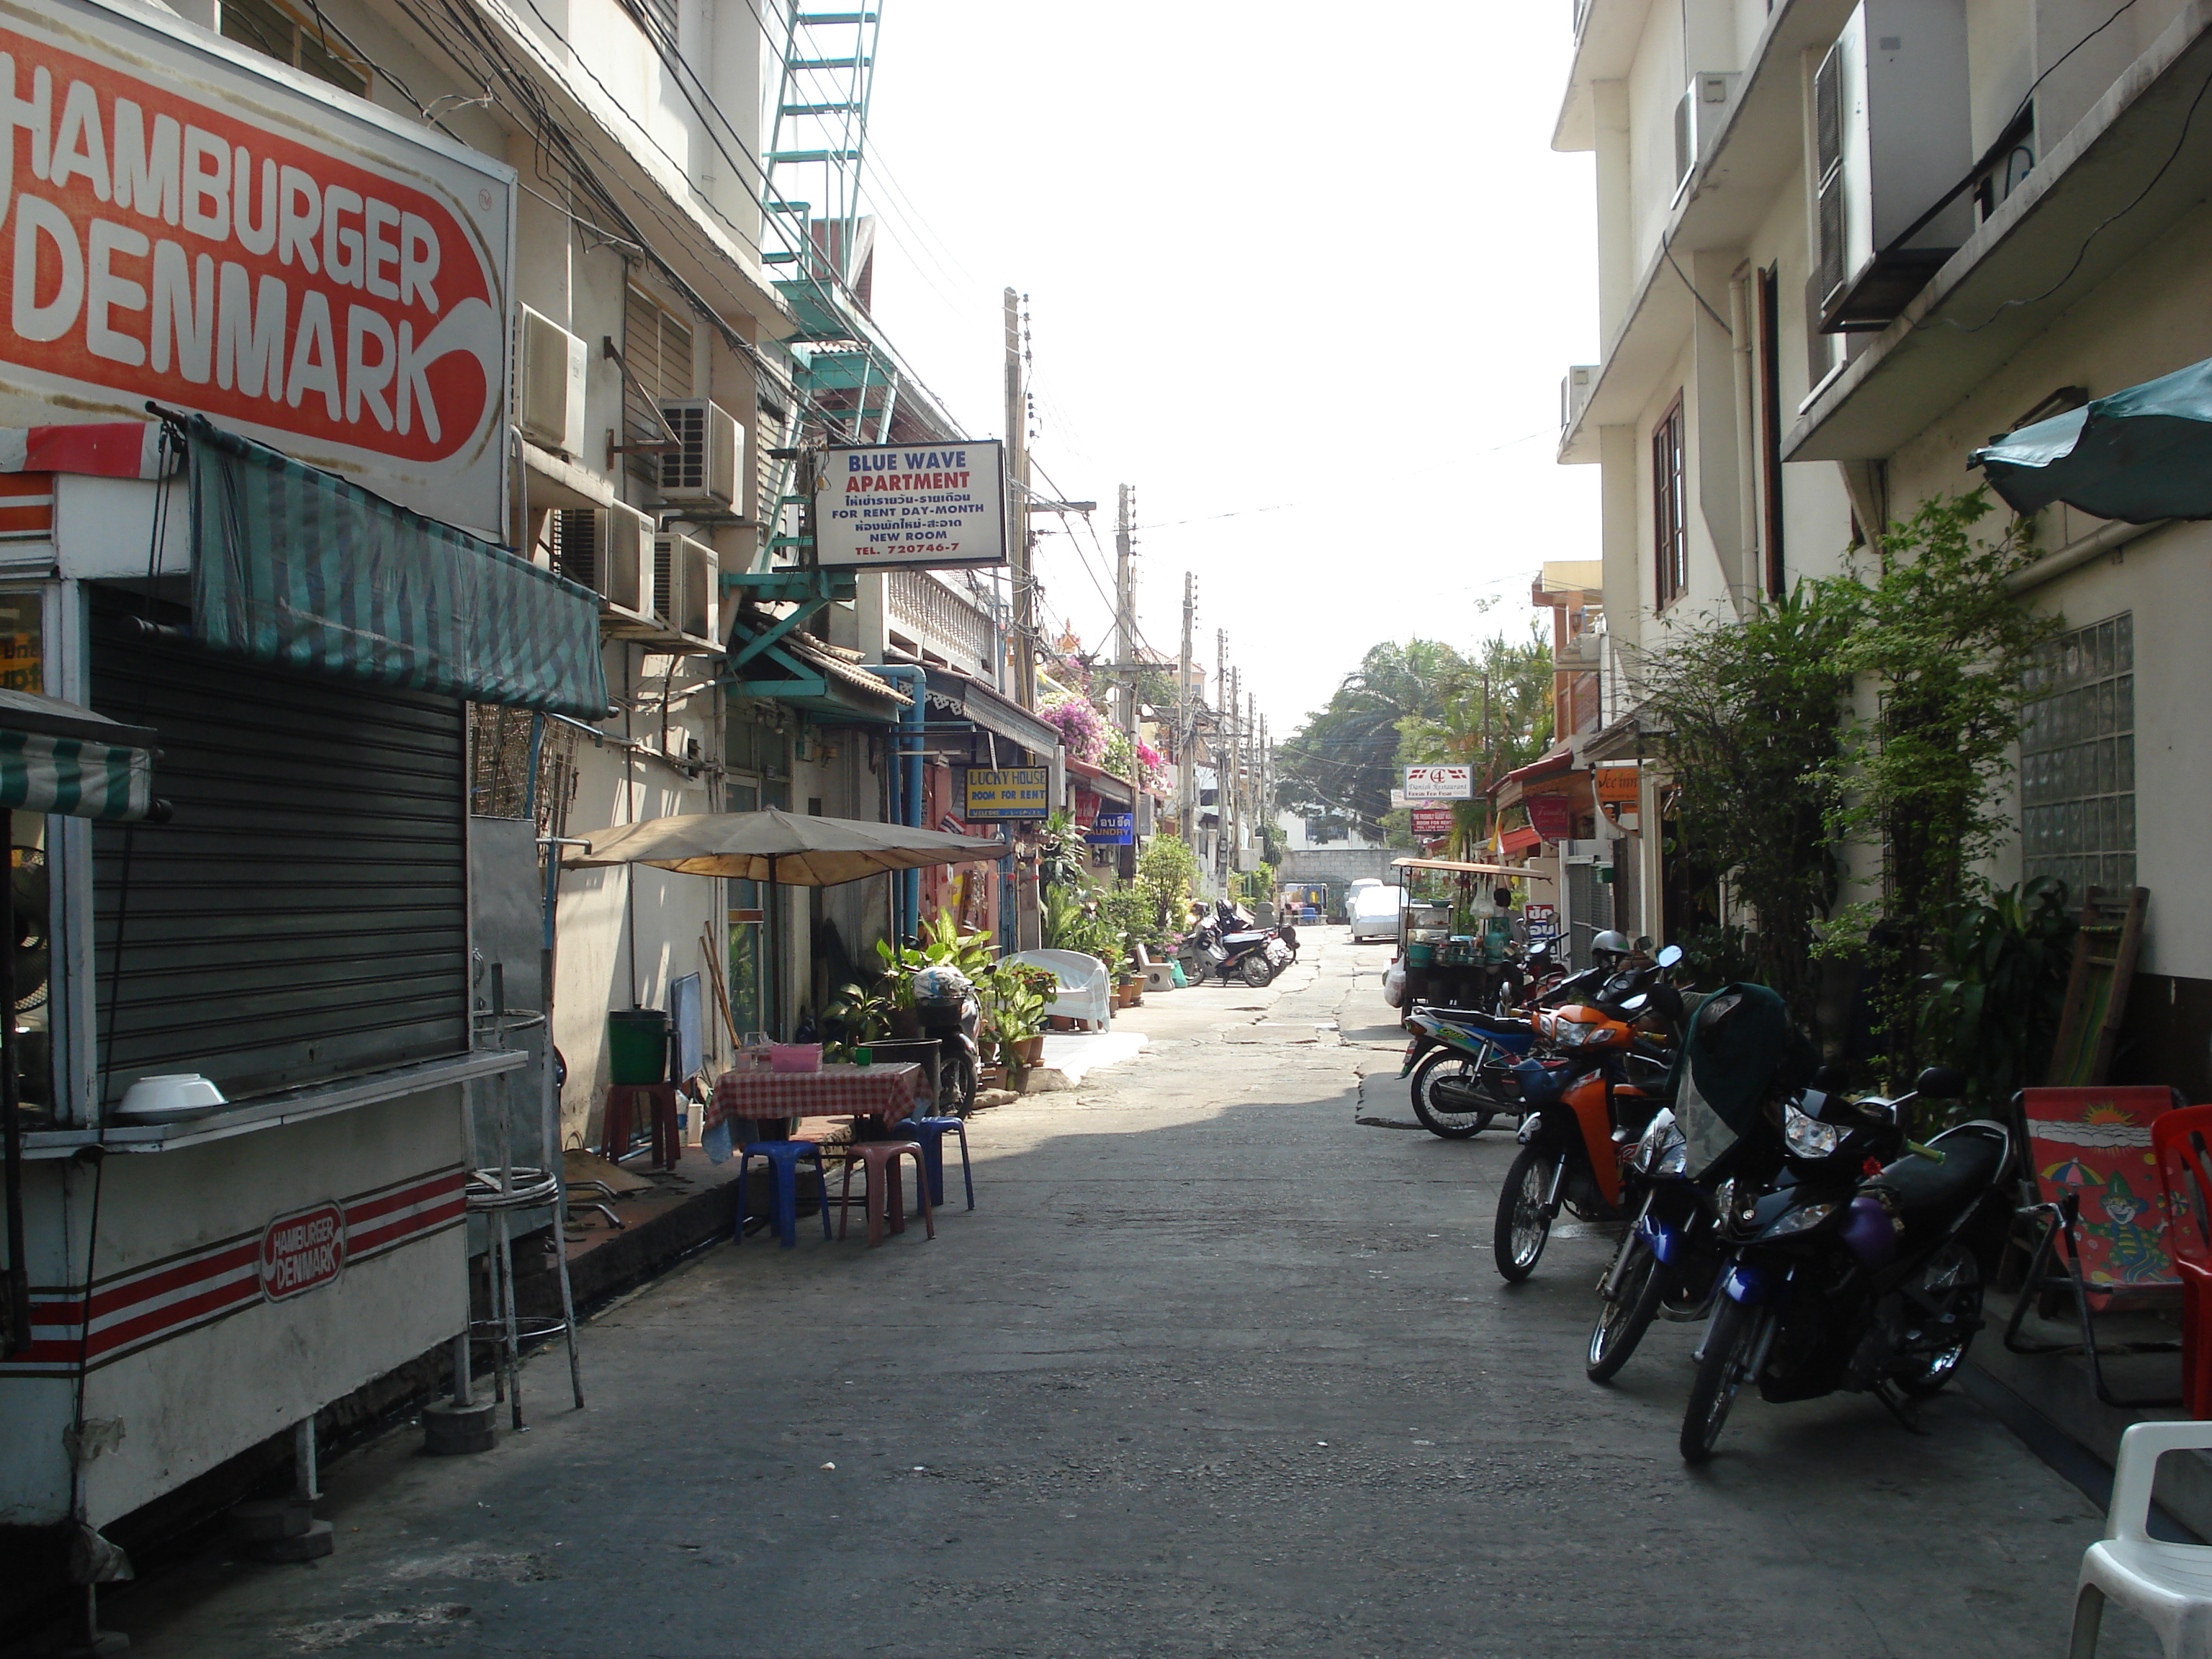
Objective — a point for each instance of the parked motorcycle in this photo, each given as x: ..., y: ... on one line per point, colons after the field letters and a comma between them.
x: 1841, y: 1280
x: 1741, y: 1055
x: 947, y: 1010
x: 1462, y: 1066
x: 1582, y: 1108
x: 1229, y: 941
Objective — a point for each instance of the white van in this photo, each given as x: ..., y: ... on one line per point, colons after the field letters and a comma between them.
x: 1373, y: 911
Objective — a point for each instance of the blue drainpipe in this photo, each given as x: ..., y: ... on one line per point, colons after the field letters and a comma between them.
x: 910, y: 725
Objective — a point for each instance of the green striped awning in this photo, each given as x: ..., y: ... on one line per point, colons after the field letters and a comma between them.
x: 79, y: 779
x: 294, y: 566
x: 58, y: 758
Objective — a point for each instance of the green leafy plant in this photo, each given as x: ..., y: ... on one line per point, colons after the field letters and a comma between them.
x: 857, y: 1016
x: 1753, y: 716
x: 941, y: 944
x: 1060, y: 853
x: 1014, y: 996
x: 1991, y: 1008
x: 1166, y: 873
x: 1943, y: 643
x: 1073, y: 921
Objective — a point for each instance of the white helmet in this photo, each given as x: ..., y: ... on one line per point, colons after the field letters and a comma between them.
x: 1610, y: 943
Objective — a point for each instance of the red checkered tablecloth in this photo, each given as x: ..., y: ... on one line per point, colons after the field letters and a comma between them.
x: 889, y: 1092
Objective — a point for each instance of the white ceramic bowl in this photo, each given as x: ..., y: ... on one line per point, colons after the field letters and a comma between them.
x: 176, y: 1094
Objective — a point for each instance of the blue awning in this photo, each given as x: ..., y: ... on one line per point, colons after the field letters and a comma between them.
x: 294, y: 566
x: 2141, y: 455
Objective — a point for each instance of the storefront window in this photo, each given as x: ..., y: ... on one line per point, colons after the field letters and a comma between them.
x: 2077, y: 759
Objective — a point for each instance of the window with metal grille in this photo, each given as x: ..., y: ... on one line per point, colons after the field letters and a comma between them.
x: 304, y: 915
x: 657, y: 351
x: 2077, y: 758
x: 1670, y: 511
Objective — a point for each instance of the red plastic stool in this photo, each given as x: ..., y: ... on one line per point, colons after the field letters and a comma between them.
x: 622, y: 1104
x: 2182, y: 1141
x: 886, y: 1198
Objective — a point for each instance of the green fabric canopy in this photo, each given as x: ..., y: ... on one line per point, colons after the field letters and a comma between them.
x: 294, y: 566
x: 58, y: 758
x: 2140, y: 455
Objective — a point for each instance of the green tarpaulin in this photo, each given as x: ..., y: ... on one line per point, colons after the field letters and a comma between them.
x: 58, y: 758
x: 2140, y: 455
x: 292, y: 565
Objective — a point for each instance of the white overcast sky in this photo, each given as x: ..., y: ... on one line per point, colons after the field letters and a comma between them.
x: 1306, y: 280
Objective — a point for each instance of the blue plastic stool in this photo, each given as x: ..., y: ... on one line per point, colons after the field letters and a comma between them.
x: 784, y: 1157
x: 931, y: 1133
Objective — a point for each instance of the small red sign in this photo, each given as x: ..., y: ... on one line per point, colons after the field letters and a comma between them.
x: 302, y: 1250
x: 1431, y: 821
x: 1551, y: 816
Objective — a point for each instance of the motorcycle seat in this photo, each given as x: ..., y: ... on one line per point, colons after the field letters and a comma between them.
x: 1971, y: 1157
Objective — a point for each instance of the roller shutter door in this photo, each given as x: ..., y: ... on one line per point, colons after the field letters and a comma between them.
x: 304, y: 917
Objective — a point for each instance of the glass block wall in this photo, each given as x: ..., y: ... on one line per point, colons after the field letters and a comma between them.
x: 2077, y: 758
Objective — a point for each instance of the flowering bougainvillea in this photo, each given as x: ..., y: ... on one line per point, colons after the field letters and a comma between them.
x: 1081, y: 727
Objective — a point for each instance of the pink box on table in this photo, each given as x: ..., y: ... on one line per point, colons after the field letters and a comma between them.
x: 794, y: 1056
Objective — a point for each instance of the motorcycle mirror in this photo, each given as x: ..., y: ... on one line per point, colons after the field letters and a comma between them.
x: 1944, y: 1082
x: 1669, y: 956
x: 1635, y: 1004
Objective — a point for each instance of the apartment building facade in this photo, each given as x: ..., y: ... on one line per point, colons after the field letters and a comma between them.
x: 1841, y: 246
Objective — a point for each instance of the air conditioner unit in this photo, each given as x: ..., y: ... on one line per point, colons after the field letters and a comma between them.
x: 1699, y: 116
x: 1574, y: 393
x: 687, y: 580
x: 1890, y: 136
x: 608, y: 551
x: 705, y: 471
x: 551, y: 371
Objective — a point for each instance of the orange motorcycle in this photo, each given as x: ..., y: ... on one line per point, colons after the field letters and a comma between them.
x: 1586, y: 1102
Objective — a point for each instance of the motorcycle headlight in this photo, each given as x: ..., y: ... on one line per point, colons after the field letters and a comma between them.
x: 1798, y: 1221
x: 1665, y: 1151
x: 1573, y: 1034
x: 1807, y: 1137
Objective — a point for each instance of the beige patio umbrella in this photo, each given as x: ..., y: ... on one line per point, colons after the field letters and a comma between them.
x: 777, y: 846
x: 781, y: 848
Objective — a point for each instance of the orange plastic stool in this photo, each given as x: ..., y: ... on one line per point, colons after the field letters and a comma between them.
x: 886, y: 1198
x: 2182, y: 1140
x: 622, y: 1104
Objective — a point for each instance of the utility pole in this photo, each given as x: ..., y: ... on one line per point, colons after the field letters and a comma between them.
x: 1267, y: 765
x: 1236, y: 779
x: 1017, y: 504
x: 1219, y: 751
x: 1125, y: 622
x: 1186, y: 730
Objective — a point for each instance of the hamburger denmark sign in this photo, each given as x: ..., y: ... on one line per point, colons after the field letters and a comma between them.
x: 179, y: 224
x: 940, y: 505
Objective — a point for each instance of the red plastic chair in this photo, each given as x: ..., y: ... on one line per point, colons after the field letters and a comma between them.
x: 2183, y: 1142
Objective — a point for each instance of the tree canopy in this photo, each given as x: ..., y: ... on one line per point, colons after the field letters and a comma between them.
x: 1418, y: 700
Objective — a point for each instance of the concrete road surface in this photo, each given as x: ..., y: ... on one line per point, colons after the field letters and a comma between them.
x: 1220, y: 1364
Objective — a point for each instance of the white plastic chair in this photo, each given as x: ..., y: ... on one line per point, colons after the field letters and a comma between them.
x: 2168, y: 1586
x: 1086, y: 989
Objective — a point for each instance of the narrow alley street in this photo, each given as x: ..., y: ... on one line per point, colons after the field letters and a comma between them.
x: 1219, y: 1365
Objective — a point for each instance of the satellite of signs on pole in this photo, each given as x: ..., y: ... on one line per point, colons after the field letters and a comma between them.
x: 939, y: 505
x: 1439, y: 783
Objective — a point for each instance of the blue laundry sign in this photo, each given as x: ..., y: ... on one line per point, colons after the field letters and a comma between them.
x: 1112, y: 829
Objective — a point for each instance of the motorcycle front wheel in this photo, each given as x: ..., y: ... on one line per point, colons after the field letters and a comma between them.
x: 1944, y: 1307
x: 1452, y: 1123
x: 1524, y: 1226
x: 956, y: 1083
x: 1722, y: 1373
x: 1622, y: 1321
x: 1256, y: 970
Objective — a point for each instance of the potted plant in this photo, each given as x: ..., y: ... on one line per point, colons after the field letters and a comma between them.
x: 1014, y: 996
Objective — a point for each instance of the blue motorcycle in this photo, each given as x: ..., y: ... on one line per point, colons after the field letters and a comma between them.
x: 1462, y: 1067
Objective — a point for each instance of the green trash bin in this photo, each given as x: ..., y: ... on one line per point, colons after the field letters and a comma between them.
x: 637, y: 1046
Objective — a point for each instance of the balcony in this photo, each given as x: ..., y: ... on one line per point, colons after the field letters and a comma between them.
x: 940, y: 615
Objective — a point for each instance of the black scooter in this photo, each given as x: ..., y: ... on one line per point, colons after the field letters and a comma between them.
x: 1844, y: 1280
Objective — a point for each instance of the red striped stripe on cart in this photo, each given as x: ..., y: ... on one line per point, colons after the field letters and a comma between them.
x: 137, y: 1309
